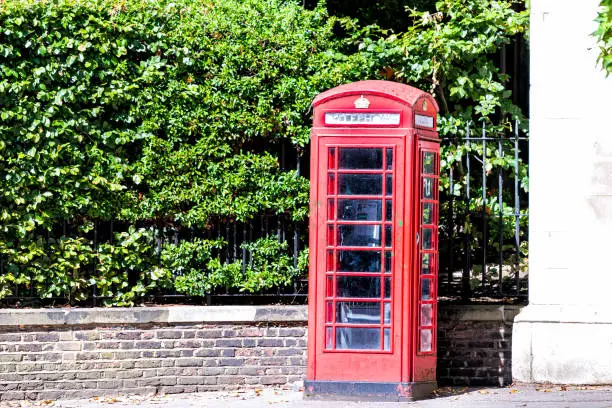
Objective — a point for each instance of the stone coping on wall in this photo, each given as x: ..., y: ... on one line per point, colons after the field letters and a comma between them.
x: 478, y: 312
x: 215, y: 314
x: 146, y: 315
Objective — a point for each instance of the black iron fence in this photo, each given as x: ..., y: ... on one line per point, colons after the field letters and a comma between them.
x: 484, y: 215
x: 483, y: 228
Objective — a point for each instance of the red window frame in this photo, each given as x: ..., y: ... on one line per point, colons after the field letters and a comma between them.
x: 333, y: 172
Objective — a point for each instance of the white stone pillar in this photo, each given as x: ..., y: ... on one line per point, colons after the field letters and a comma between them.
x: 565, y: 334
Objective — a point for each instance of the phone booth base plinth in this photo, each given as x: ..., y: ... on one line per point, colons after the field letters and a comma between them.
x: 368, y: 391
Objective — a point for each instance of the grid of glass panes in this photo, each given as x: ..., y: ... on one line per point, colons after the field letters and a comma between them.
x: 358, y: 302
x: 428, y: 246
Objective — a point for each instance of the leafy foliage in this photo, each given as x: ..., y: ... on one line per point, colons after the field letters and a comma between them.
x: 170, y: 115
x: 154, y: 114
x: 604, y: 34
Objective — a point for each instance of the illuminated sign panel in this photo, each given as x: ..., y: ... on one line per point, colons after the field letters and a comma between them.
x: 361, y: 118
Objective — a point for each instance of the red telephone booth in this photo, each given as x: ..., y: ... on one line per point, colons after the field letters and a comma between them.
x: 373, y: 242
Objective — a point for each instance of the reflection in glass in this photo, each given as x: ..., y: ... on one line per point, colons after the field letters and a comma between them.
x: 360, y: 184
x: 389, y: 159
x: 331, y: 158
x: 357, y: 338
x: 388, y: 236
x: 428, y: 188
x: 330, y: 235
x: 426, y: 340
x: 331, y: 184
x: 331, y: 209
x: 426, y: 264
x: 360, y: 210
x: 427, y: 213
x: 329, y: 290
x: 387, y: 262
x: 428, y: 163
x: 389, y: 210
x: 328, y: 338
x: 330, y: 261
x: 359, y: 235
x: 425, y: 289
x: 387, y: 339
x: 387, y: 288
x: 360, y: 158
x: 389, y: 186
x: 358, y: 286
x: 427, y: 238
x: 358, y: 261
x: 387, y: 307
x: 329, y: 312
x: 358, y: 312
x: 426, y: 314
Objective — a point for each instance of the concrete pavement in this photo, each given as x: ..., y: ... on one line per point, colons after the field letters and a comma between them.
x: 520, y: 395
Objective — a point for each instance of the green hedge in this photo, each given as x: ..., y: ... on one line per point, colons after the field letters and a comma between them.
x: 153, y: 113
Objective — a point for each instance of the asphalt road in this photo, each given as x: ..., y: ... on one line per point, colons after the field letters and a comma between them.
x: 540, y: 396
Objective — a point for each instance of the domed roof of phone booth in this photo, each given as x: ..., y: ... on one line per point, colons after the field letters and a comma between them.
x: 394, y: 90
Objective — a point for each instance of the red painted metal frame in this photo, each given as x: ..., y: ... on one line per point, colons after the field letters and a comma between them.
x: 403, y: 362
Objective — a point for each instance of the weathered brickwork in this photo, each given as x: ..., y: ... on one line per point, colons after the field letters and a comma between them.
x: 474, y: 345
x: 80, y: 362
x: 98, y: 358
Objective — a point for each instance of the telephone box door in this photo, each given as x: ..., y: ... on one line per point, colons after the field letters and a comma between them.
x: 360, y: 216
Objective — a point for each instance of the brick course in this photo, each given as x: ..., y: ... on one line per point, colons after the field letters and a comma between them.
x: 85, y: 360
x: 35, y: 362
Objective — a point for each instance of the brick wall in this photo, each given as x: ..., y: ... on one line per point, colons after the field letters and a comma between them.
x: 81, y: 361
x: 474, y: 344
x: 51, y: 354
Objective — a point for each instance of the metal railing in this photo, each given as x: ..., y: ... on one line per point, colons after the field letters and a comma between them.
x: 483, y: 242
x: 483, y: 229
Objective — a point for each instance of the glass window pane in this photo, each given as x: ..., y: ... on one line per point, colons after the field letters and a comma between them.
x: 329, y: 312
x: 358, y: 286
x: 331, y: 184
x: 389, y: 159
x: 388, y: 236
x: 358, y: 261
x: 330, y: 261
x: 360, y: 184
x: 387, y: 339
x: 426, y: 264
x: 359, y: 235
x: 427, y: 238
x: 428, y: 213
x: 387, y: 288
x: 425, y: 289
x: 388, y: 262
x: 360, y: 158
x: 357, y: 338
x: 331, y: 209
x: 426, y: 314
x: 428, y: 163
x: 329, y: 343
x: 389, y: 210
x: 389, y: 186
x: 428, y: 188
x: 329, y: 290
x: 387, y: 307
x: 358, y: 312
x: 426, y: 340
x: 330, y: 235
x: 331, y: 158
x: 360, y: 210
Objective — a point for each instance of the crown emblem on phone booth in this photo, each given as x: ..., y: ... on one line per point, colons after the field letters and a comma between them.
x: 362, y: 103
x: 424, y: 107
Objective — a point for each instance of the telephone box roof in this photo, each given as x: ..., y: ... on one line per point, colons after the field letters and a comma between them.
x: 394, y: 90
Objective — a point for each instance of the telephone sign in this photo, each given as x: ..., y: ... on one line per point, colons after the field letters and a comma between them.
x: 373, y: 243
